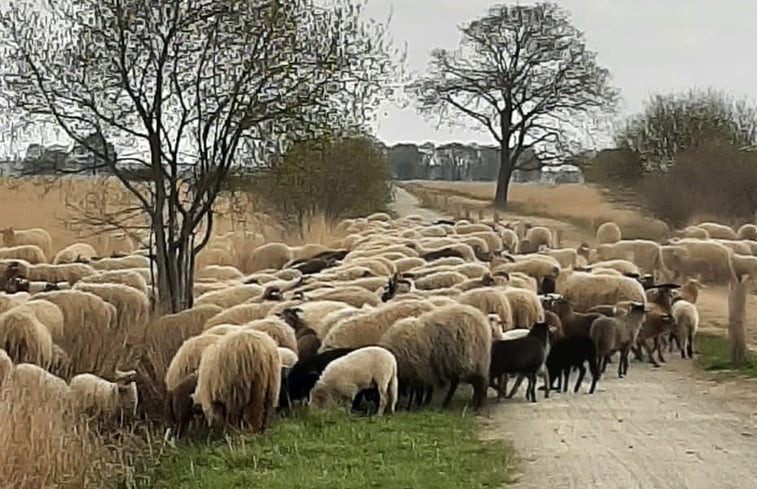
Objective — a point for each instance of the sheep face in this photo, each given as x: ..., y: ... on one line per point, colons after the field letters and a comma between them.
x: 128, y: 397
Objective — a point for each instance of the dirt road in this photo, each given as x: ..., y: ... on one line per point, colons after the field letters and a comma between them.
x: 406, y: 204
x: 666, y: 428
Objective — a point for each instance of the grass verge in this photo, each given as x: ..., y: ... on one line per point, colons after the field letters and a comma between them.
x: 713, y: 356
x: 332, y: 451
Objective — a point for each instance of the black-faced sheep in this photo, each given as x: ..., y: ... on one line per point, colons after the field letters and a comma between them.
x: 364, y: 368
x: 617, y: 334
x: 238, y: 380
x: 179, y: 407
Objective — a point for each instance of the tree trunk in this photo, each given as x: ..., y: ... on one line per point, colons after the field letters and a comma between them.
x: 737, y: 296
x: 503, y: 177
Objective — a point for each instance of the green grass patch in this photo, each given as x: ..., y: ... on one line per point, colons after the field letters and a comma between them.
x: 713, y: 355
x: 427, y: 449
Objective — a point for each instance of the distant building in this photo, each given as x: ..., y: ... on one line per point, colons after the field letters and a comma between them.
x: 562, y: 174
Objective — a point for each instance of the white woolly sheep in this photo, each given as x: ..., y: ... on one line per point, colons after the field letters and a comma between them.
x: 692, y: 232
x: 449, y: 344
x: 130, y: 278
x: 6, y: 367
x: 686, y: 317
x: 536, y: 237
x: 75, y: 252
x: 65, y: 272
x: 187, y: 359
x: 238, y: 380
x: 366, y: 329
x: 364, y: 368
x: 747, y: 231
x: 132, y: 306
x: 585, y: 290
x: 39, y: 382
x: 688, y: 257
x: 277, y: 329
x: 120, y: 263
x: 624, y: 267
x: 218, y: 272
x: 35, y: 237
x: 101, y: 398
x: 29, y: 253
x: 25, y: 338
x: 744, y: 265
x: 718, y: 231
x: 230, y: 296
x: 608, y: 233
x: 525, y: 305
x: 490, y: 301
x: 48, y: 314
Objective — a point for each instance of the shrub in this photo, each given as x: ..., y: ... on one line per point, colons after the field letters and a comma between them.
x: 335, y: 177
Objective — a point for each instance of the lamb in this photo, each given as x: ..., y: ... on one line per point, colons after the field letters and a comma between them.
x: 525, y: 356
x: 617, y: 334
x: 363, y: 368
x: 572, y: 352
x: 608, y: 233
x: 94, y: 395
x: 307, y: 339
x: 74, y: 252
x: 305, y: 373
x: 35, y: 237
x: 657, y: 322
x: 448, y: 344
x: 238, y: 380
x: 689, y: 291
x: 686, y: 318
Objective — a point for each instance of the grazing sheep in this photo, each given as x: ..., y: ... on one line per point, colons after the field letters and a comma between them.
x: 130, y: 278
x: 24, y: 338
x: 448, y: 344
x: 40, y: 382
x: 535, y: 238
x: 572, y: 352
x: 305, y: 373
x: 29, y: 253
x: 186, y: 360
x: 353, y: 296
x: 121, y: 263
x: 230, y: 296
x: 34, y: 237
x: 366, y: 328
x: 132, y: 306
x: 74, y: 252
x: 524, y: 356
x: 718, y: 231
x: 269, y: 255
x: 238, y: 380
x: 617, y: 334
x: 48, y: 314
x: 277, y: 329
x: 179, y: 407
x: 65, y: 272
x: 96, y: 396
x: 608, y: 233
x: 219, y: 273
x: 364, y: 368
x: 747, y: 231
x: 686, y: 318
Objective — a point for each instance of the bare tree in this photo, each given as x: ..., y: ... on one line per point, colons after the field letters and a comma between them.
x: 524, y: 74
x: 189, y: 89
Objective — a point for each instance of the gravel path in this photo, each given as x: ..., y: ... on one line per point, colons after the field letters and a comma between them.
x: 658, y: 428
x: 666, y: 428
x: 406, y: 204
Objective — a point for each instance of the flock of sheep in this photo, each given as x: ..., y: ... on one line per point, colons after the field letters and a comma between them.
x: 398, y: 308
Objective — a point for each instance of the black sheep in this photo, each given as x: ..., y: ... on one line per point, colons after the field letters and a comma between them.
x: 179, y: 408
x: 524, y: 356
x: 569, y: 352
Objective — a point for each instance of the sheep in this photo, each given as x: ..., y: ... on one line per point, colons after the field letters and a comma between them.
x: 353, y: 296
x: 238, y: 380
x: 186, y: 360
x: 608, y: 233
x: 440, y: 280
x: 6, y: 367
x: 218, y: 272
x: 48, y: 314
x: 24, y: 338
x: 132, y: 306
x: 345, y: 377
x: 94, y: 395
x: 624, y: 267
x: 525, y: 306
x: 510, y: 240
x: 536, y: 237
x: 692, y: 232
x: 617, y: 334
x: 689, y: 291
x: 646, y: 254
x: 690, y: 256
x: 29, y: 253
x: 718, y: 231
x: 366, y: 329
x: 129, y: 278
x: 65, y: 272
x: 657, y: 322
x: 747, y: 231
x: 572, y: 352
x: 40, y: 382
x: 525, y: 356
x: 536, y: 266
x: 240, y: 314
x: 270, y: 255
x: 574, y: 323
x: 74, y: 252
x: 744, y: 265
x: 686, y: 318
x: 489, y: 300
x: 584, y: 290
x: 567, y: 257
x: 448, y: 344
x: 277, y: 329
x: 120, y: 263
x: 230, y: 296
x: 35, y: 237
x: 308, y: 342
x: 179, y: 407
x: 305, y: 373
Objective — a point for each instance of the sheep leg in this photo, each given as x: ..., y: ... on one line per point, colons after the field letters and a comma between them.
x: 594, y: 375
x: 658, y: 345
x: 690, y: 344
x: 637, y: 352
x: 545, y: 375
x: 623, y: 362
x: 581, y: 373
x: 429, y: 395
x: 479, y: 391
x: 516, y: 386
x: 650, y: 353
x: 531, y: 387
x: 410, y: 393
x: 450, y: 393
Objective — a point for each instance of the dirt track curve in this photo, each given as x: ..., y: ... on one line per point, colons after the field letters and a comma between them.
x: 666, y: 428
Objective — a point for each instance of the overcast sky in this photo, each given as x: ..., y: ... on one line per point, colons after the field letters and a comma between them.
x: 649, y: 46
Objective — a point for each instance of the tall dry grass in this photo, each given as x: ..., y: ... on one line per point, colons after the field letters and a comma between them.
x: 44, y: 445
